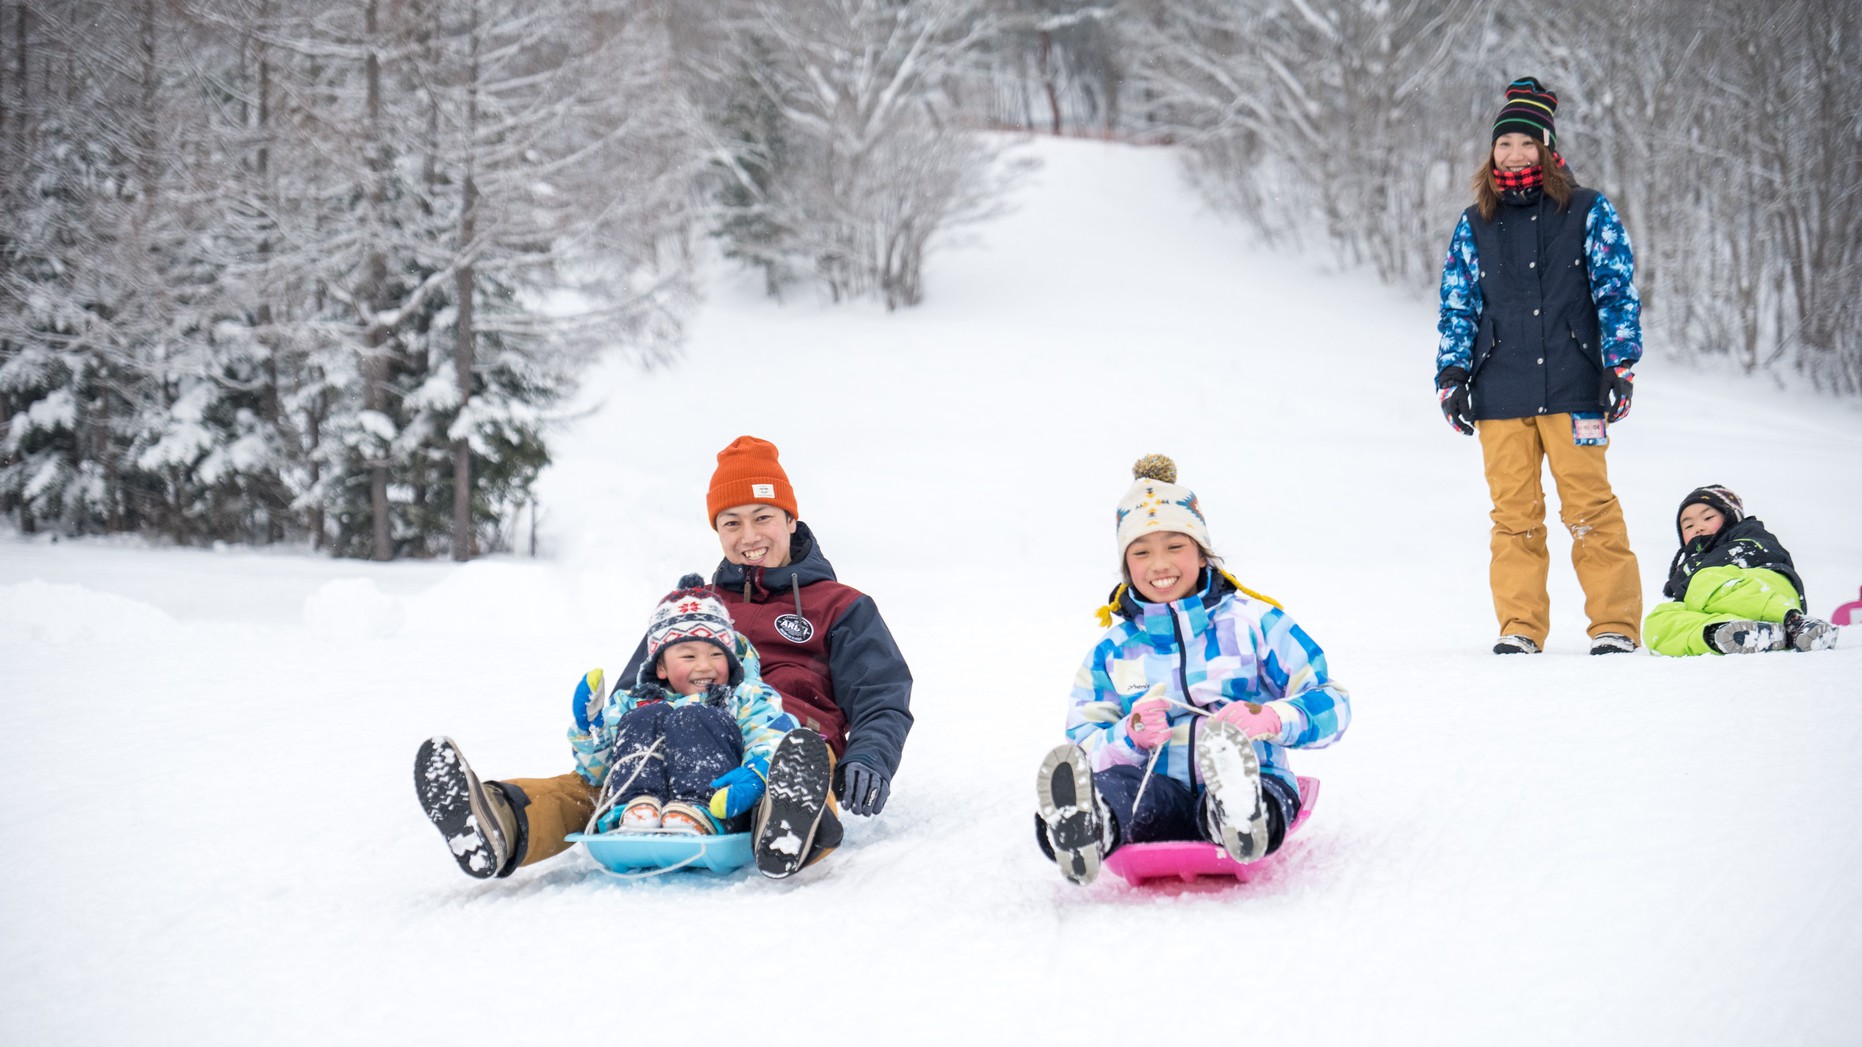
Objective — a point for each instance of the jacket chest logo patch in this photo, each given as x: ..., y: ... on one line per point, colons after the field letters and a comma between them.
x: 795, y: 629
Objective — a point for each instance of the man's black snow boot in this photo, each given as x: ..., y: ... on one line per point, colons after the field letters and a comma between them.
x: 480, y: 826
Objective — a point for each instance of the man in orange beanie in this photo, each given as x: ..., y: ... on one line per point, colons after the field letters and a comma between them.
x: 823, y: 646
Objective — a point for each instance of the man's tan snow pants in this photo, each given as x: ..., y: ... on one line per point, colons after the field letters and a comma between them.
x: 558, y: 806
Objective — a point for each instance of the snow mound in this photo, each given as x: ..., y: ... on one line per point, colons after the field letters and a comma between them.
x: 353, y: 609
x: 38, y: 612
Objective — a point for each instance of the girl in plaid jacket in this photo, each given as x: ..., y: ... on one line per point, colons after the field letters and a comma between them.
x: 1182, y: 714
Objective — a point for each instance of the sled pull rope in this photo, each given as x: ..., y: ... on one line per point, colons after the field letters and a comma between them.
x: 640, y: 759
x: 1145, y: 782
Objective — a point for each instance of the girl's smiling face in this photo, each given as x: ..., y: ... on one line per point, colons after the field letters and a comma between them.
x: 1699, y: 519
x: 1163, y: 565
x: 1515, y: 151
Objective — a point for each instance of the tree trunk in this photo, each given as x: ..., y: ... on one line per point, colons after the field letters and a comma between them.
x: 464, y: 280
x: 375, y: 341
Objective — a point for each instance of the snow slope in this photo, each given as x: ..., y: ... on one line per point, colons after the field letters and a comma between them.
x: 211, y: 836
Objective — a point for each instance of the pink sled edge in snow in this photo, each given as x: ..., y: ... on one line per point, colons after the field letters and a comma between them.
x: 1188, y: 859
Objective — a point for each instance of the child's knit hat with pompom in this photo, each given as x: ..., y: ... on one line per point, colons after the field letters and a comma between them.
x: 692, y: 612
x: 1156, y: 502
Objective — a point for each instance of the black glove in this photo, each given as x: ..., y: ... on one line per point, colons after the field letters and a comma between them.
x: 718, y: 695
x: 863, y: 789
x: 1618, y: 386
x: 1451, y: 390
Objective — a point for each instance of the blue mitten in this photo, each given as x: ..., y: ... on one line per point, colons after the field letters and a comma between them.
x: 739, y: 789
x: 588, y: 696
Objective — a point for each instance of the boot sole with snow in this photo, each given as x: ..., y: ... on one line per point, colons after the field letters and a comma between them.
x: 1818, y: 637
x: 1747, y: 637
x: 454, y: 801
x: 1231, y: 773
x: 1064, y: 793
x: 796, y: 793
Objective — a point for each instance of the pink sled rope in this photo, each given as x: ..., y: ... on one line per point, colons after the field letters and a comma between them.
x: 1188, y: 859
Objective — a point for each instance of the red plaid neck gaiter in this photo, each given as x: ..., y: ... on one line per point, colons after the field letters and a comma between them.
x: 1517, y: 181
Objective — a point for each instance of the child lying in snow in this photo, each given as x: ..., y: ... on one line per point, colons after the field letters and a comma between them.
x: 1144, y: 764
x: 1734, y: 586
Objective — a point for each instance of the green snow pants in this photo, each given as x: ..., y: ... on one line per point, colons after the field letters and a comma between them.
x: 1715, y: 595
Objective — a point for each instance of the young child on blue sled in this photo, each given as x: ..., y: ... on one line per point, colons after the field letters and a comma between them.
x: 1183, y: 712
x: 1733, y: 586
x: 686, y: 748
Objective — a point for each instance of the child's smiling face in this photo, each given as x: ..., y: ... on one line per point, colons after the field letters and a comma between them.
x: 688, y: 666
x: 1699, y: 519
x: 1163, y: 565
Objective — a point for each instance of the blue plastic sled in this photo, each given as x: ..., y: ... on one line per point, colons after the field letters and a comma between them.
x: 634, y: 855
x: 1188, y: 859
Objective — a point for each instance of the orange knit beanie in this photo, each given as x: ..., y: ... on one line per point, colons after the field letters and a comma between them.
x: 748, y: 473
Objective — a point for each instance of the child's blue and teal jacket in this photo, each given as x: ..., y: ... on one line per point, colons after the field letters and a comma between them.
x: 1216, y: 646
x: 755, y: 706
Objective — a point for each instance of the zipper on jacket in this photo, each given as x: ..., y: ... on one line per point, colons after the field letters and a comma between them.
x: 1183, y: 680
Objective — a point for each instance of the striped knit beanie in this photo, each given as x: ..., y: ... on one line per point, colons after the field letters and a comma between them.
x: 1714, y: 496
x: 1529, y: 108
x: 692, y: 612
x: 1156, y: 502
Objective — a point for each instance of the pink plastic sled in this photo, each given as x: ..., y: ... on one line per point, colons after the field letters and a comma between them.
x: 1849, y: 613
x: 1188, y: 859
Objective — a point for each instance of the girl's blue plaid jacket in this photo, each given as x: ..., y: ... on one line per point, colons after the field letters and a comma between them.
x: 1211, y: 648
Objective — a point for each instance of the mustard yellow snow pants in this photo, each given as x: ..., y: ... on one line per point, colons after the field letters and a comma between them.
x: 1513, y: 450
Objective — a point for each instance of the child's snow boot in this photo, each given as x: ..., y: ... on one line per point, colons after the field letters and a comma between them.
x: 641, y: 814
x: 1745, y: 637
x: 800, y: 777
x: 1804, y: 633
x: 689, y: 818
x: 1233, y: 814
x: 1513, y: 643
x: 477, y: 819
x: 1072, y: 814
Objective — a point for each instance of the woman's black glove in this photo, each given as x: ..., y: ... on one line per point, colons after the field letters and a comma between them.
x: 1451, y: 391
x: 1618, y: 386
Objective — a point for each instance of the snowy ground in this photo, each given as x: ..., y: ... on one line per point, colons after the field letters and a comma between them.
x: 212, y: 838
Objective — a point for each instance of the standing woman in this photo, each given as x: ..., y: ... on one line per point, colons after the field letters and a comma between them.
x: 1540, y: 327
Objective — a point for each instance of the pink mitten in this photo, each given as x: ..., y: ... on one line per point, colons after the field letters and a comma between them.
x: 1149, y: 721
x: 1255, y: 721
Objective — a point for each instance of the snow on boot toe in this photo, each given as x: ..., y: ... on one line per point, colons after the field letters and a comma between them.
x: 1069, y: 808
x: 1513, y: 643
x: 1233, y: 808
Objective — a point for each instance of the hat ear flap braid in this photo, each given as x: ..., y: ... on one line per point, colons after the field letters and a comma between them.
x: 1105, y: 613
x: 1247, y: 591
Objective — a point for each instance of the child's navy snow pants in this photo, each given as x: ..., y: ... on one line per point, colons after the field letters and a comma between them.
x: 696, y: 744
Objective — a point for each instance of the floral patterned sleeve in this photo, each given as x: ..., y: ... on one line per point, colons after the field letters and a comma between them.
x: 1612, y: 266
x: 1461, y: 301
